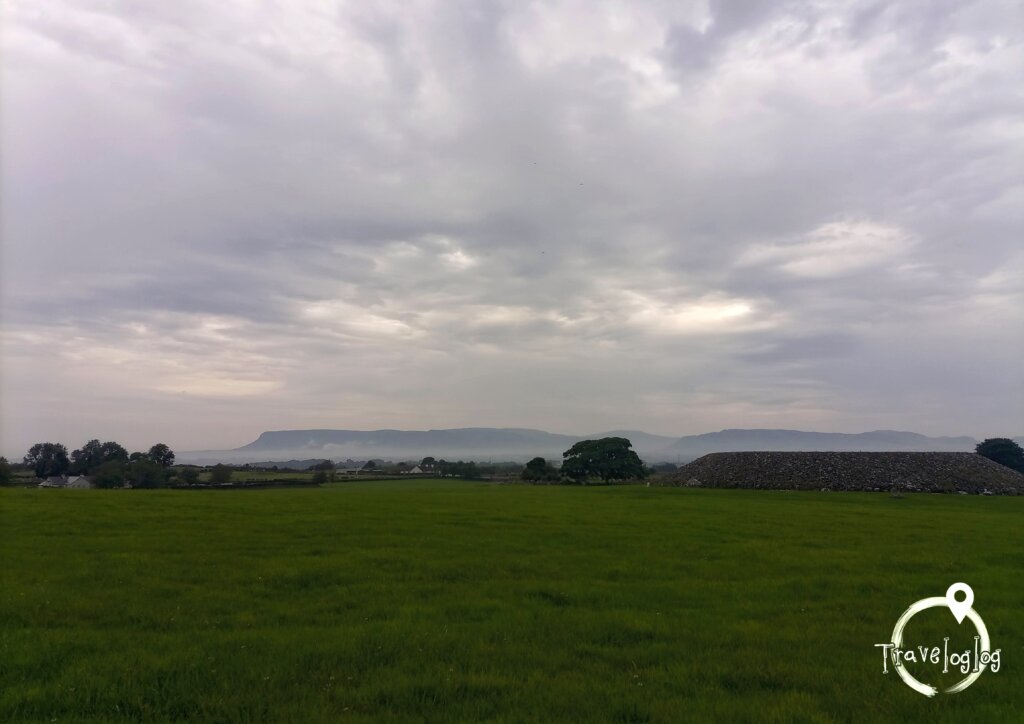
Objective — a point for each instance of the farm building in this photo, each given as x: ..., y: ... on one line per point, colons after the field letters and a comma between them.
x: 927, y: 472
x: 63, y: 481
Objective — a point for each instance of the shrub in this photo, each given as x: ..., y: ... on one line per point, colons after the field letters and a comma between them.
x: 220, y: 474
x: 188, y: 476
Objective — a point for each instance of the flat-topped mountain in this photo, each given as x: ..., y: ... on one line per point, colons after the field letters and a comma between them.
x: 429, y: 442
x: 490, y: 443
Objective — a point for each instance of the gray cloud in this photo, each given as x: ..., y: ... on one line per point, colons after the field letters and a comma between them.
x: 219, y: 219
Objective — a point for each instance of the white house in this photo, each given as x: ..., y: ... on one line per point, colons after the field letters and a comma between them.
x: 63, y: 481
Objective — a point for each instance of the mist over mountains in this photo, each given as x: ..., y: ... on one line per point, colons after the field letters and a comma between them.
x: 520, y: 444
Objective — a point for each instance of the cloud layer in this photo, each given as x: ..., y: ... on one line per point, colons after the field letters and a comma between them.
x: 220, y: 218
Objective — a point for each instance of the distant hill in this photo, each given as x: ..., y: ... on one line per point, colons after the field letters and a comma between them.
x: 470, y: 442
x: 489, y: 443
x: 641, y: 440
x: 797, y: 440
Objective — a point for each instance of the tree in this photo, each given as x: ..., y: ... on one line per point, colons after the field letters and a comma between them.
x: 538, y: 470
x: 47, y: 459
x: 5, y: 472
x: 94, y: 453
x: 323, y: 472
x: 220, y: 474
x: 188, y: 476
x: 610, y: 458
x: 85, y: 457
x: 428, y: 462
x: 1004, y: 451
x: 109, y: 474
x: 161, y: 455
x: 136, y: 456
x: 370, y: 465
x: 327, y: 467
x: 144, y: 473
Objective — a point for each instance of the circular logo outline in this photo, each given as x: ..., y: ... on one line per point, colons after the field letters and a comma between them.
x: 897, y: 640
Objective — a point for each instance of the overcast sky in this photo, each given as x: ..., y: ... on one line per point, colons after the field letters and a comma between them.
x: 226, y: 217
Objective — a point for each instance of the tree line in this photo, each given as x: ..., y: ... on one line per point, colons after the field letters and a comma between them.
x: 108, y: 464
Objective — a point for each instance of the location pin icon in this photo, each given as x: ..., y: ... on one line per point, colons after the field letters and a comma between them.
x: 960, y: 608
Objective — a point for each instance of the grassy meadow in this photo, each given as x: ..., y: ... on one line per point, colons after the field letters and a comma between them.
x: 264, y: 476
x: 448, y: 601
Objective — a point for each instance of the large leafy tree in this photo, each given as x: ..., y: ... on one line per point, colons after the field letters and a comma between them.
x: 161, y: 455
x: 5, y: 471
x: 1004, y: 451
x: 94, y: 454
x: 610, y: 458
x: 48, y: 458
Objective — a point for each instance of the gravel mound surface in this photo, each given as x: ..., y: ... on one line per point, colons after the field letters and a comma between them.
x: 925, y: 472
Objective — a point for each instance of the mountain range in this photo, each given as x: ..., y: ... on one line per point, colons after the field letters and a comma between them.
x: 503, y: 444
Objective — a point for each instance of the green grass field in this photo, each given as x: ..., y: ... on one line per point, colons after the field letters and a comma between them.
x: 286, y: 477
x: 448, y: 601
x: 261, y: 476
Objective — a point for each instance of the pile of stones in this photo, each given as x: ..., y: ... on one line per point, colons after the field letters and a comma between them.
x: 925, y: 472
